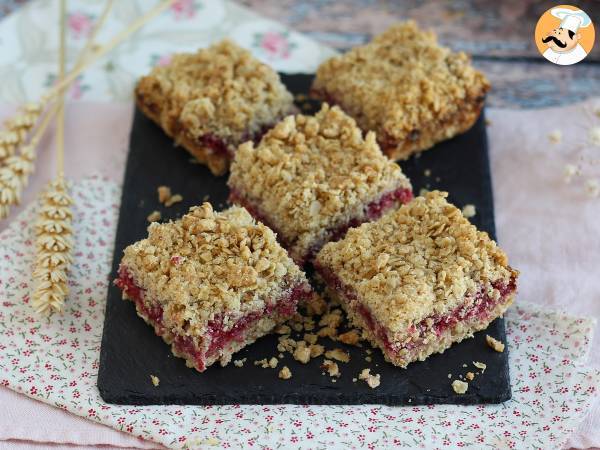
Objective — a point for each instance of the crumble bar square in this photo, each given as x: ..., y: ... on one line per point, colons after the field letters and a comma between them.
x: 211, y: 283
x: 419, y: 279
x: 213, y: 100
x: 404, y: 86
x: 312, y: 177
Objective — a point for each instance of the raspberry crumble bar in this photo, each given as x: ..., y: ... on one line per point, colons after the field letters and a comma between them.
x: 211, y: 283
x: 412, y: 92
x: 419, y: 279
x: 313, y: 177
x: 213, y: 100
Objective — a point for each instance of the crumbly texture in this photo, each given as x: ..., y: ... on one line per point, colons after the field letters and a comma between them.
x: 155, y: 380
x: 154, y: 216
x: 221, y: 91
x: 372, y: 381
x: 164, y: 193
x: 211, y: 266
x: 285, y: 373
x: 173, y: 199
x: 338, y: 354
x: 470, y: 376
x: 331, y: 368
x: 406, y: 87
x: 312, y: 174
x: 460, y: 387
x: 239, y: 362
x: 469, y: 211
x: 480, y: 365
x: 494, y: 343
x: 351, y: 337
x: 419, y: 260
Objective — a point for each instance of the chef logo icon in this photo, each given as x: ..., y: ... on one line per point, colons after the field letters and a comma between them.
x: 564, y: 35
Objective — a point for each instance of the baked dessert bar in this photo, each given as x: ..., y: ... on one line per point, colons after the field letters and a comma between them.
x: 213, y: 100
x: 419, y: 279
x: 211, y: 283
x: 312, y: 177
x: 407, y: 88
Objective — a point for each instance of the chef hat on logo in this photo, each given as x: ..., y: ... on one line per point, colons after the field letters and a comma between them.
x: 571, y: 19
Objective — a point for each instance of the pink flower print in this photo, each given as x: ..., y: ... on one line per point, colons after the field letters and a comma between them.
x: 184, y: 9
x: 79, y: 24
x: 274, y: 44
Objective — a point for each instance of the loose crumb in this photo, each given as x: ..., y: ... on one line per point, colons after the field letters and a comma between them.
x: 470, y: 376
x: 351, y: 337
x: 173, y: 199
x: 164, y: 194
x: 338, y: 354
x: 449, y: 375
x: 331, y: 367
x: 283, y: 329
x: 316, y: 306
x: 316, y: 350
x: 262, y: 363
x: 286, y: 344
x: 273, y: 362
x: 372, y: 380
x: 310, y: 338
x: 285, y: 373
x: 494, y: 343
x: 154, y: 216
x: 460, y: 387
x: 327, y: 332
x: 155, y: 380
x: 480, y: 365
x: 555, y: 136
x: 469, y: 211
x: 239, y: 362
x: 354, y: 380
x: 332, y: 319
x: 302, y: 353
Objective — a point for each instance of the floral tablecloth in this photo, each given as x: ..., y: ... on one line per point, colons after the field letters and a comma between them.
x: 56, y: 361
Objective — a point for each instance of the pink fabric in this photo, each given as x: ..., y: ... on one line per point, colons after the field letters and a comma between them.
x: 549, y: 229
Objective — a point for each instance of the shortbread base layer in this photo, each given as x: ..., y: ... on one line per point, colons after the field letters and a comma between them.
x: 215, y: 344
x: 434, y: 334
x: 209, y: 149
x: 372, y: 211
x: 428, y: 134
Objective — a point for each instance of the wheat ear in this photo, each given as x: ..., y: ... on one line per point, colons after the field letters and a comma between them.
x: 54, y: 240
x: 14, y: 173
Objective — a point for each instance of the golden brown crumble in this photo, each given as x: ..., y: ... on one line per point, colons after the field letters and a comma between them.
x: 331, y: 367
x: 460, y: 387
x: 210, y: 263
x: 470, y: 376
x: 480, y: 365
x: 173, y: 199
x: 283, y: 329
x: 469, y: 211
x: 302, y: 353
x: 221, y: 91
x: 316, y: 350
x: 494, y: 343
x: 332, y: 319
x: 372, y: 380
x: 327, y: 332
x: 164, y: 193
x: 406, y: 87
x: 155, y: 380
x: 310, y: 338
x: 351, y: 337
x: 338, y: 354
x: 437, y: 257
x: 239, y: 362
x: 311, y: 174
x: 154, y: 216
x: 285, y: 373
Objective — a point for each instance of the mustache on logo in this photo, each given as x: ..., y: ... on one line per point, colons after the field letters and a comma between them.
x: 556, y: 41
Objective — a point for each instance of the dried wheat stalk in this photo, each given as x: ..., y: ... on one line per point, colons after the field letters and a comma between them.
x: 54, y: 244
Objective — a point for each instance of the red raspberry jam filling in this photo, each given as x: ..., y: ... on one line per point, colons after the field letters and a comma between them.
x: 216, y: 335
x: 373, y: 211
x: 478, y: 307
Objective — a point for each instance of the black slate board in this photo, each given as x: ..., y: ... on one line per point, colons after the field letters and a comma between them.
x: 131, y: 351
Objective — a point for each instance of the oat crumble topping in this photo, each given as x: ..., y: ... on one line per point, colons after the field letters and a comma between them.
x: 239, y: 362
x: 311, y: 174
x: 469, y: 211
x: 227, y: 264
x: 154, y: 216
x: 331, y: 367
x: 372, y: 380
x: 460, y: 387
x: 302, y: 353
x: 470, y: 376
x: 403, y: 84
x: 164, y: 193
x: 437, y: 257
x: 351, y: 337
x: 494, y: 343
x: 155, y: 380
x: 220, y: 90
x: 173, y: 199
x: 285, y: 373
x: 338, y: 354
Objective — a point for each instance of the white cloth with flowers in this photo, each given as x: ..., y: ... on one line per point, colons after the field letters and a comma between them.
x: 55, y: 360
